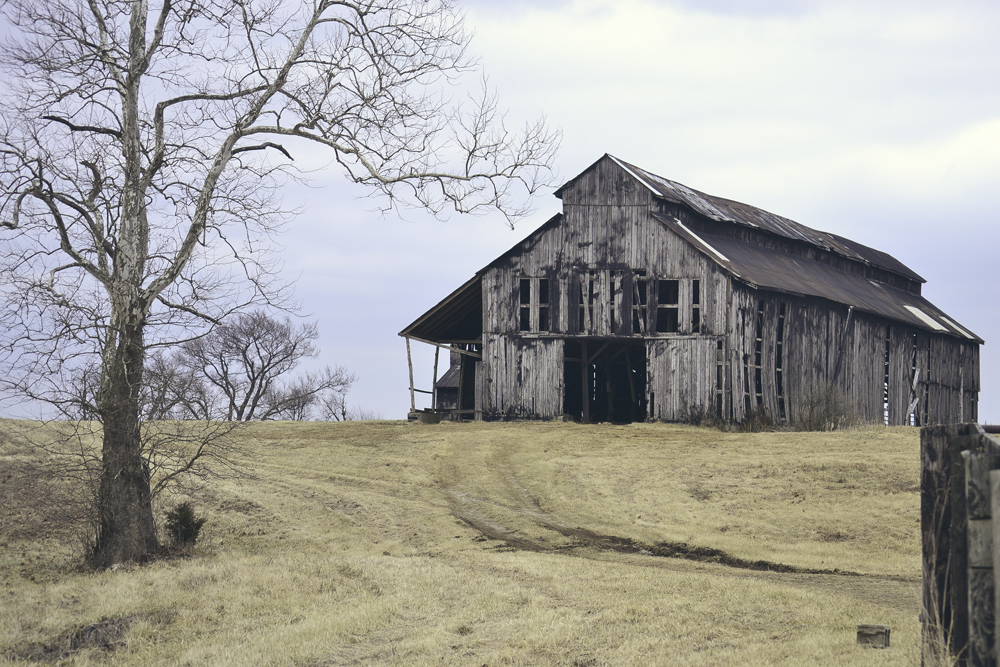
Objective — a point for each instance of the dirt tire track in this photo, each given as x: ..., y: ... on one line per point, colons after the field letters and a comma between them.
x: 485, y: 516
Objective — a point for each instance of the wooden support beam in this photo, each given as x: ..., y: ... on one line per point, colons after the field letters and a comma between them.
x: 468, y: 353
x: 591, y: 358
x: 437, y: 351
x: 843, y: 339
x: 461, y: 383
x: 631, y: 385
x: 409, y: 362
x: 584, y: 367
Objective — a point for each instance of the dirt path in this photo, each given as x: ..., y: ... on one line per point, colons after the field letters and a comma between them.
x: 482, y: 488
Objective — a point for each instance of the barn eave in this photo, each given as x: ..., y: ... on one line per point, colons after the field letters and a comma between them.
x: 458, y: 318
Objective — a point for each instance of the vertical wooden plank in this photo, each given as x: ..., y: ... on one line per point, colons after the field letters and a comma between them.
x: 437, y: 353
x: 982, y: 650
x: 478, y: 400
x: 994, y: 481
x: 942, y: 523
x: 980, y: 558
x: 409, y: 363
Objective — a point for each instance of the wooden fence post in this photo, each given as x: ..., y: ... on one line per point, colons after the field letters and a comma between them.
x: 957, y: 516
x: 994, y: 480
x: 980, y: 556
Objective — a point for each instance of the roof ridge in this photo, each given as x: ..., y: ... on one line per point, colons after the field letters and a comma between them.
x: 722, y: 209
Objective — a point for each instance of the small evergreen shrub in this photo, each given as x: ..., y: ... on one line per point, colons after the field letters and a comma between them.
x: 183, y: 526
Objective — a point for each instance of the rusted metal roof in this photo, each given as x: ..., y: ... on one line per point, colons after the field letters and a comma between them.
x: 726, y: 210
x: 766, y: 268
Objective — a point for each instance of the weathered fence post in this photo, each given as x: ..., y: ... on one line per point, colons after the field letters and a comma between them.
x: 980, y: 556
x: 995, y: 521
x: 956, y: 524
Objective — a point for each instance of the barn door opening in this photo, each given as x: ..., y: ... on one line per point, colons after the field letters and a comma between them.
x: 605, y: 380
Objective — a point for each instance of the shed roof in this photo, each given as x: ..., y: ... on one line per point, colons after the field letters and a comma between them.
x: 457, y: 318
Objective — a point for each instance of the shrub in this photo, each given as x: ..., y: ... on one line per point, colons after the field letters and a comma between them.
x: 757, y: 421
x: 825, y: 408
x: 699, y: 415
x: 183, y: 526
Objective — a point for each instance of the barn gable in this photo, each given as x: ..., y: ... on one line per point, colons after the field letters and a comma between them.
x: 646, y: 299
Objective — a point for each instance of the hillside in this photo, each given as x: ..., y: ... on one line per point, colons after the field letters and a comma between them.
x: 386, y: 543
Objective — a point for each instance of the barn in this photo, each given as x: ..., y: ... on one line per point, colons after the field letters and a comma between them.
x: 647, y: 300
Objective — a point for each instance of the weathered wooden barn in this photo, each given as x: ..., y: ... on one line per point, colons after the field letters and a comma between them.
x: 645, y: 299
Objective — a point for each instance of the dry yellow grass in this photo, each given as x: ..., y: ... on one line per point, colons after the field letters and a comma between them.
x: 363, y: 543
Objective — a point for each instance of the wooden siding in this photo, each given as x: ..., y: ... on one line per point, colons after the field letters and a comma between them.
x: 588, y: 242
x: 608, y: 184
x: 522, y: 377
x: 825, y: 345
x: 681, y: 375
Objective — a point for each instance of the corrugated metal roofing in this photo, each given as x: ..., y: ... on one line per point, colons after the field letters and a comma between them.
x: 726, y: 210
x: 770, y: 269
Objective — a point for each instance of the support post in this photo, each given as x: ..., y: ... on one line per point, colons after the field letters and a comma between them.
x: 409, y: 362
x: 434, y: 397
x: 461, y: 385
x: 631, y: 387
x: 585, y: 372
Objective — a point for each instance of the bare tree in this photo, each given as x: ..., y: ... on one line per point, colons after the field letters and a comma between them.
x: 248, y: 360
x: 141, y: 145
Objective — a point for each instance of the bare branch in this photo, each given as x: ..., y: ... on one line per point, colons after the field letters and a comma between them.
x: 84, y: 128
x: 264, y: 146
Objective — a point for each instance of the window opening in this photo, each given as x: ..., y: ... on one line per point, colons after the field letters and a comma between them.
x: 757, y: 353
x: 927, y: 383
x: 667, y: 306
x: 525, y: 299
x: 615, y: 280
x: 695, y: 306
x: 544, y: 323
x: 586, y: 303
x: 779, y: 362
x: 719, y: 361
x: 639, y: 301
x: 914, y: 416
x: 885, y: 376
x: 747, y: 404
x: 591, y: 296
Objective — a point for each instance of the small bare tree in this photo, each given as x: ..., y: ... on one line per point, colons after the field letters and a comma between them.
x: 141, y: 145
x: 247, y: 362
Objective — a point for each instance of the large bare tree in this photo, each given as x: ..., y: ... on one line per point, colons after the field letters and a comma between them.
x: 140, y: 147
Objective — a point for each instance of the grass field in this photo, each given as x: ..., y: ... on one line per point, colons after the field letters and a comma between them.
x: 386, y: 543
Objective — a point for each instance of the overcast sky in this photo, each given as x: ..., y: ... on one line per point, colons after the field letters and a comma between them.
x: 878, y: 121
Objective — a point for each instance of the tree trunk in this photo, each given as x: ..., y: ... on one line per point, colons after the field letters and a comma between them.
x: 126, y: 530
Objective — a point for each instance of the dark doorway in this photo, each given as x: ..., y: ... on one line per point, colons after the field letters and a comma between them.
x: 605, y: 380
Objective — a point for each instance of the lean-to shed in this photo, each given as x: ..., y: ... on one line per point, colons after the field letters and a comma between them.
x: 646, y: 299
